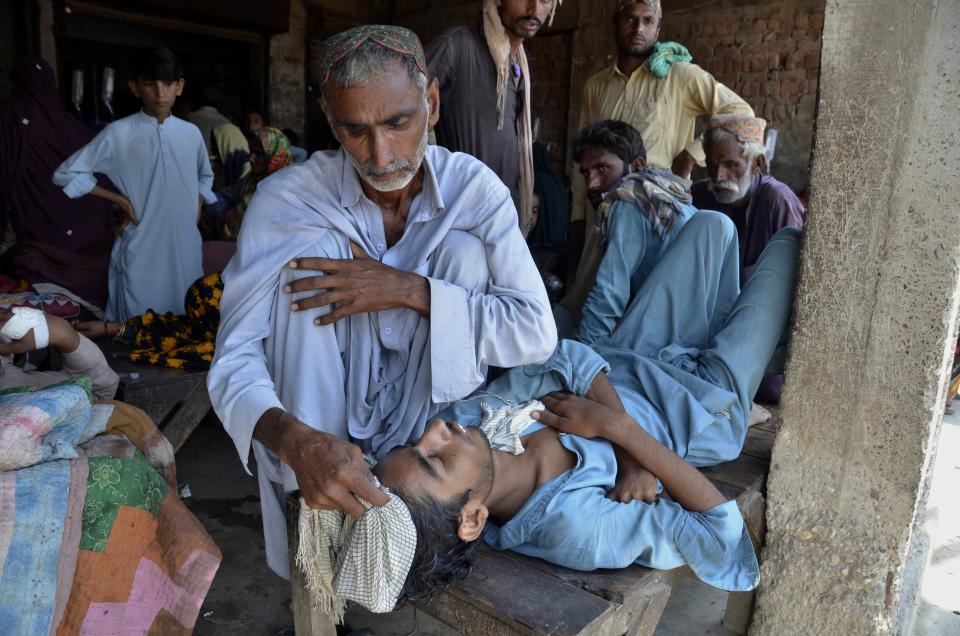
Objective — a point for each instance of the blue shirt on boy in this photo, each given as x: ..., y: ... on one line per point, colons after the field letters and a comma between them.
x: 569, y: 520
x: 685, y: 360
x: 163, y: 170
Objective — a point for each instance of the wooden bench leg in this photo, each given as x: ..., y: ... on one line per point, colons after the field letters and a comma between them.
x: 739, y: 611
x: 307, y: 620
x: 646, y: 622
x: 187, y: 416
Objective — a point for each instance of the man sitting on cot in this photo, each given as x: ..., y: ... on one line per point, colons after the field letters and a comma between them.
x: 423, y: 276
x: 537, y: 478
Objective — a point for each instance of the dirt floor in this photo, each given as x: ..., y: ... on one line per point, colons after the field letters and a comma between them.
x: 246, y: 598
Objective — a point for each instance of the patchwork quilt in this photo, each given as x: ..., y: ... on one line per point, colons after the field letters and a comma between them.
x: 93, y: 536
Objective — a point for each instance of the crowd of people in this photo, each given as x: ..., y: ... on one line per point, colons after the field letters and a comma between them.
x: 382, y: 305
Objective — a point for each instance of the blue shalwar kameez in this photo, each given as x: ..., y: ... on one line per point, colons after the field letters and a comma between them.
x: 684, y: 361
x: 163, y: 170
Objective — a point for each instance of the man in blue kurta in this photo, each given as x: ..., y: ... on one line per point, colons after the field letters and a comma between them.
x: 673, y: 395
x: 427, y: 282
x: 759, y: 205
x: 159, y: 164
x: 640, y: 211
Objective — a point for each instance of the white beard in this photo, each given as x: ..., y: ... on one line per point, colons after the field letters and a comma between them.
x: 401, y: 171
x: 728, y: 192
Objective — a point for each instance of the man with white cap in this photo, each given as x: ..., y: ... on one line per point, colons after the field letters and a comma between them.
x: 759, y: 205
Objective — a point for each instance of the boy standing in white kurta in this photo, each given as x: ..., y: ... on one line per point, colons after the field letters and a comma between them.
x: 159, y: 163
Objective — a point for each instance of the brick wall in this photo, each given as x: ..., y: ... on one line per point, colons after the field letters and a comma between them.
x: 550, y: 58
x: 769, y: 53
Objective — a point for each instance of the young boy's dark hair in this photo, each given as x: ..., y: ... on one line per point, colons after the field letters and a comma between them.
x: 156, y: 63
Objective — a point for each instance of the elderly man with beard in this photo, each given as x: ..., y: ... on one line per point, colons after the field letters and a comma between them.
x: 758, y: 204
x: 424, y: 281
x: 485, y: 90
x: 654, y: 87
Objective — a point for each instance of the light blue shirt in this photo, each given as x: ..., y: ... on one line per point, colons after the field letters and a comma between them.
x: 163, y: 170
x: 570, y: 522
x: 634, y: 249
x: 374, y: 378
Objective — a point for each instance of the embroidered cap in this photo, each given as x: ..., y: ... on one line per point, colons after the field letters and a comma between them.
x: 746, y: 129
x: 397, y: 39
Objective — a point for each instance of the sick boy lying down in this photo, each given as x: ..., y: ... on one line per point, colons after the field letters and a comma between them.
x: 669, y: 391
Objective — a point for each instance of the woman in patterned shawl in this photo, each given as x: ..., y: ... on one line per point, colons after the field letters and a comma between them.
x: 269, y: 152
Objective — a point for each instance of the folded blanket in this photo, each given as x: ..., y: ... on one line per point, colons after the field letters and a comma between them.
x: 99, y: 544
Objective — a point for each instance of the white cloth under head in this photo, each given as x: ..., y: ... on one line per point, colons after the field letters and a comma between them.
x: 23, y: 320
x: 364, y: 560
x: 504, y: 425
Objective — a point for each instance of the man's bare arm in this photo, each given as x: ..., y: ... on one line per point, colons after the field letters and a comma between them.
x: 686, y: 485
x: 331, y: 471
x: 633, y: 480
x: 586, y: 418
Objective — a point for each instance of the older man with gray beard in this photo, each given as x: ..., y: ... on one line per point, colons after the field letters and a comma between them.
x: 424, y: 281
x: 758, y: 204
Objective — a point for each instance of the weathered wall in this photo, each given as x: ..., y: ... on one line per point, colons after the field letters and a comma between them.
x: 550, y: 56
x: 875, y: 316
x: 287, y: 93
x: 428, y: 18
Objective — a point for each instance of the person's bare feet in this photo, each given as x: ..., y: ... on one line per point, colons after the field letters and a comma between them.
x: 758, y: 414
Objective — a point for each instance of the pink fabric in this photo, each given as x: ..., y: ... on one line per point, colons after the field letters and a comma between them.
x: 153, y: 591
x: 22, y: 428
x: 8, y: 513
x: 70, y: 544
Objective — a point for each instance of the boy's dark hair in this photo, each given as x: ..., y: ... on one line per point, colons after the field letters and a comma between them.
x: 442, y: 557
x: 618, y: 137
x: 156, y: 63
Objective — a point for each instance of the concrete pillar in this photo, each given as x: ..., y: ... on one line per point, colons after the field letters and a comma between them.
x: 875, y: 321
x: 287, y: 92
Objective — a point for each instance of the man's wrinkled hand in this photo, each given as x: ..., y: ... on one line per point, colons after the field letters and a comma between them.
x: 634, y: 482
x: 357, y: 285
x: 332, y: 474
